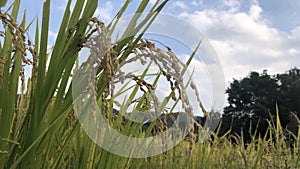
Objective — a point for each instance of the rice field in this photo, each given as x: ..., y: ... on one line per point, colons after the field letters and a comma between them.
x: 41, y: 128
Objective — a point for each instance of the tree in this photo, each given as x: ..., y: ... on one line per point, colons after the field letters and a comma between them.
x: 289, y: 91
x: 253, y: 99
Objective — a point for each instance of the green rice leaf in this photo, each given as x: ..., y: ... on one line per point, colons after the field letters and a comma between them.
x: 3, y: 3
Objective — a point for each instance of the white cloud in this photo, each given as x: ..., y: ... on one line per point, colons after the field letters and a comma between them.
x: 197, y: 3
x: 52, y: 34
x: 234, y: 5
x: 180, y: 5
x: 52, y: 38
x: 244, y: 41
x: 105, y: 11
x: 295, y: 33
x: 293, y: 51
x: 255, y: 12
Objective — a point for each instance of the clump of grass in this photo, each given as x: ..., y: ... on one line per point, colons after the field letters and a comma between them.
x: 38, y: 124
x: 273, y: 152
x: 109, y: 71
x: 39, y: 128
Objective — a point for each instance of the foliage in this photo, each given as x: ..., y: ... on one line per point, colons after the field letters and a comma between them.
x: 289, y: 89
x: 38, y: 126
x: 253, y: 100
x: 274, y: 152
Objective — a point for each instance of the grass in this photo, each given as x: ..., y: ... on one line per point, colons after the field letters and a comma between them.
x: 223, y: 153
x: 39, y: 127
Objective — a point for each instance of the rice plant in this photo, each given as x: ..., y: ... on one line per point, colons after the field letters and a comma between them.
x: 39, y: 126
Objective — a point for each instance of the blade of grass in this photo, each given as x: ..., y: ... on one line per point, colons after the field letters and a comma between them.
x: 3, y: 3
x: 7, y: 104
x: 36, y: 141
x: 37, y: 114
x: 133, y: 22
x: 112, y: 25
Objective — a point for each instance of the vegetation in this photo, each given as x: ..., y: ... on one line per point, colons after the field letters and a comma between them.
x: 253, y: 101
x: 39, y: 127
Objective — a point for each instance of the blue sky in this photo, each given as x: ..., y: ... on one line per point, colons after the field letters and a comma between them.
x: 247, y: 35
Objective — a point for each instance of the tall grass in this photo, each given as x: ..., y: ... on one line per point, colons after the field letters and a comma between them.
x: 274, y: 150
x: 39, y: 128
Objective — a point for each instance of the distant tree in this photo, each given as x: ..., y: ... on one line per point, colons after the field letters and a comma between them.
x: 252, y: 102
x: 289, y: 100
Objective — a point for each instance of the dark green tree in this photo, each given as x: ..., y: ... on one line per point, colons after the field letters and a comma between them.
x: 289, y: 100
x: 252, y: 102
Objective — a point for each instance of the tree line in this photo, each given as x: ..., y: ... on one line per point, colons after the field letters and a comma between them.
x: 255, y: 100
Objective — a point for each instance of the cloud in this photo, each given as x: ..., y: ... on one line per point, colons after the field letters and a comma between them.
x: 105, y: 11
x: 295, y: 33
x: 52, y: 34
x: 52, y: 38
x: 255, y: 12
x: 180, y: 5
x: 244, y: 40
x: 197, y: 3
x: 234, y: 5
